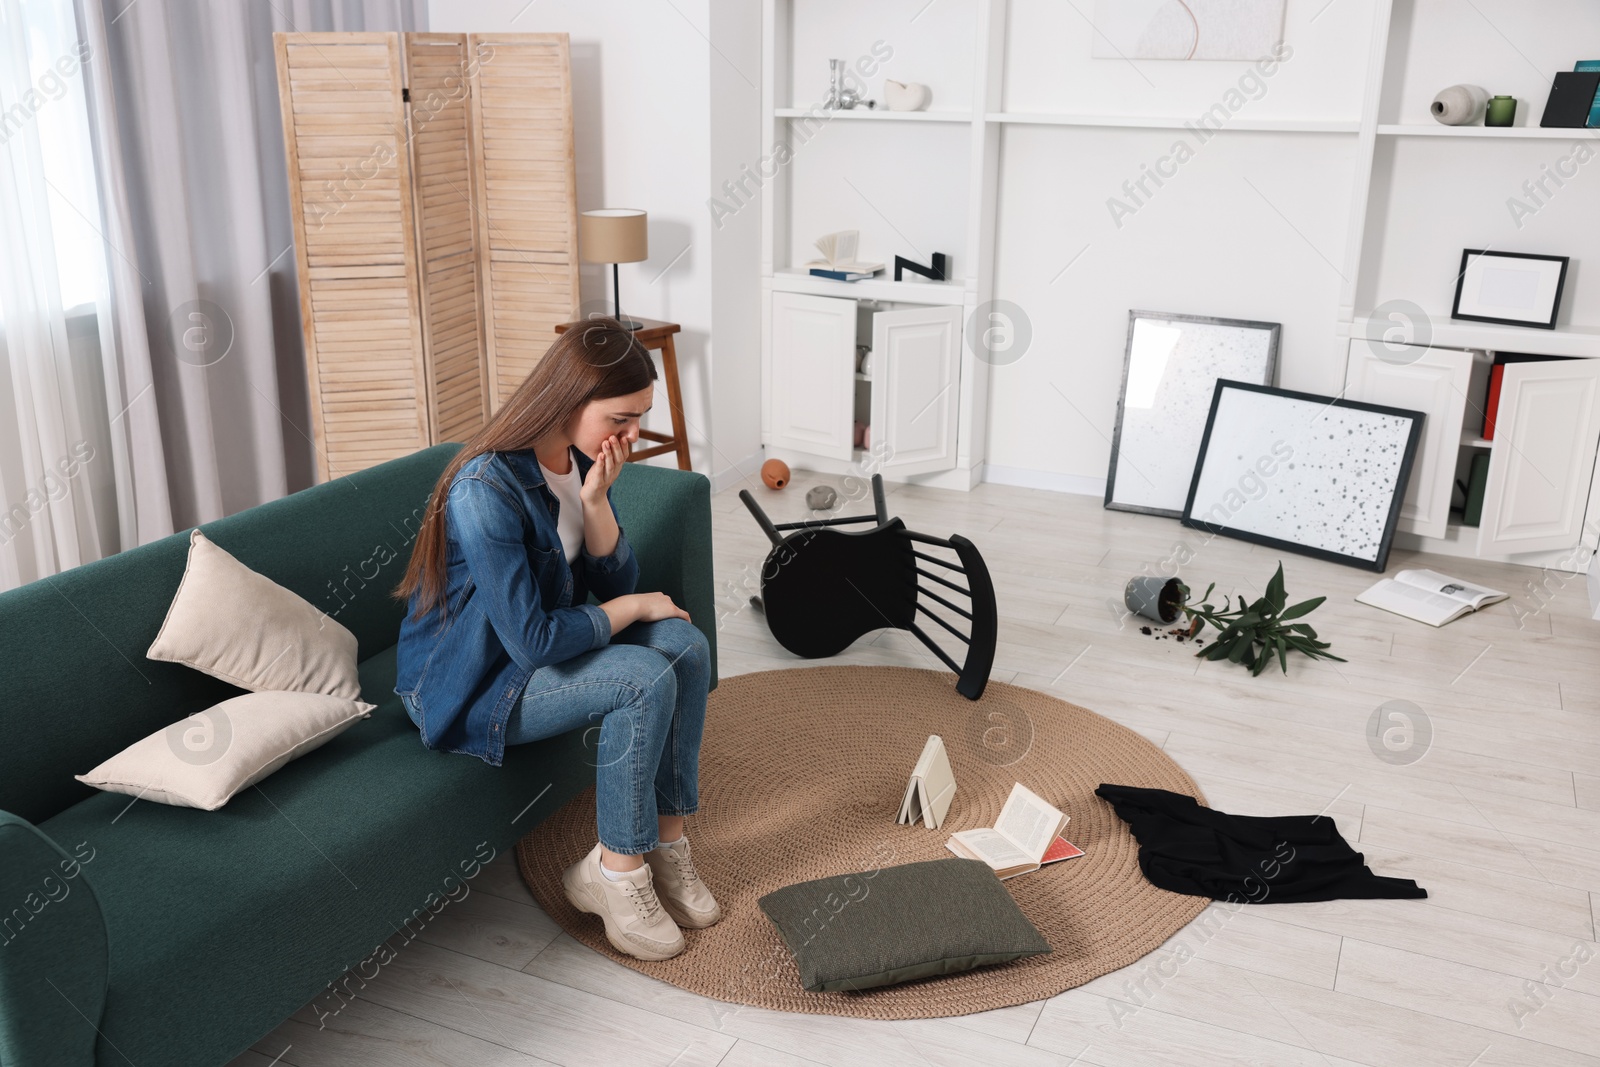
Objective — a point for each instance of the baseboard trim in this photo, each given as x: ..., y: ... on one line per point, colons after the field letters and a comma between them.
x: 1027, y: 478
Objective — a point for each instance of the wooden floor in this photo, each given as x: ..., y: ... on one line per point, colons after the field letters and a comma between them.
x: 1499, y: 820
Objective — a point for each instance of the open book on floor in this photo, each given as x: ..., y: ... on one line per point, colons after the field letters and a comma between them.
x: 1023, y: 839
x: 1428, y: 596
x: 932, y: 786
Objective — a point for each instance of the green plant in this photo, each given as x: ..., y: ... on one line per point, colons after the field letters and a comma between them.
x: 1251, y: 633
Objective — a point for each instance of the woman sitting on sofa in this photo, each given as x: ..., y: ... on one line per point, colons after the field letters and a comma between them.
x: 501, y: 647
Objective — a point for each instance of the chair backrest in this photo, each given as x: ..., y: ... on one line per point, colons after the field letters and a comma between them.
x: 77, y: 686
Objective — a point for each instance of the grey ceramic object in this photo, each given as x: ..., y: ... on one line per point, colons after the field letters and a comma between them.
x: 1459, y: 105
x: 1156, y: 599
x: 821, y: 497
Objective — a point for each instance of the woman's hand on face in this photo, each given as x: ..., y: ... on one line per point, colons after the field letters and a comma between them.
x: 614, y: 452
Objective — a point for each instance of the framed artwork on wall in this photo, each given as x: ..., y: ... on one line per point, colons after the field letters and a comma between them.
x: 1169, y: 371
x: 1509, y: 288
x: 1318, y: 475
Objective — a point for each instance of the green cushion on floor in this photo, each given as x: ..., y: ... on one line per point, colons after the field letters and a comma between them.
x: 895, y: 924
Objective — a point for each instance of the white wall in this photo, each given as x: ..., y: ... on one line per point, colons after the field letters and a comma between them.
x: 644, y: 78
x: 1251, y: 226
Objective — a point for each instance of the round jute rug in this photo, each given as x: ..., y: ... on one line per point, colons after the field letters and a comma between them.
x: 801, y: 776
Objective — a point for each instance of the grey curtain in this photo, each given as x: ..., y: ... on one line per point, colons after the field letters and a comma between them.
x: 206, y: 378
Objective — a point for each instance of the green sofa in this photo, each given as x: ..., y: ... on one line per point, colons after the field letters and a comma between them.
x: 135, y: 932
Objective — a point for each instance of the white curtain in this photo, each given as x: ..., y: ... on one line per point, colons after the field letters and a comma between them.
x: 180, y: 375
x: 54, y: 473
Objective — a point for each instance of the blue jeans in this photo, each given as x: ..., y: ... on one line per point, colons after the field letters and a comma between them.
x: 643, y: 699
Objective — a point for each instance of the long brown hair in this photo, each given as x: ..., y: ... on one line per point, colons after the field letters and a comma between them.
x: 598, y: 360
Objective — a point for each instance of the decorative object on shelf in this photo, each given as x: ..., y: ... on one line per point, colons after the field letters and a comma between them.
x: 906, y: 96
x: 614, y: 235
x: 1477, y: 483
x: 1319, y: 475
x: 1187, y: 29
x: 1502, y: 111
x: 840, y: 95
x: 937, y: 272
x: 823, y: 587
x: 839, y: 260
x: 1169, y: 371
x: 1251, y: 633
x: 775, y: 473
x: 821, y: 497
x: 862, y: 434
x: 1571, y: 99
x: 864, y: 361
x: 1594, y: 106
x: 1155, y: 598
x: 1509, y: 288
x: 1460, y: 105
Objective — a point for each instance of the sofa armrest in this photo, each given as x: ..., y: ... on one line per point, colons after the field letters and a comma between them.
x: 53, y: 955
x: 667, y: 513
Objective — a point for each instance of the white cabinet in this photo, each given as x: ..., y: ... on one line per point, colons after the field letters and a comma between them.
x: 916, y: 378
x: 814, y: 394
x: 1434, y: 380
x: 1542, y: 477
x: 1543, y: 456
x: 809, y: 374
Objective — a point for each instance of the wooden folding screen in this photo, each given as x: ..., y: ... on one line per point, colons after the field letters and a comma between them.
x: 528, y: 217
x: 399, y: 218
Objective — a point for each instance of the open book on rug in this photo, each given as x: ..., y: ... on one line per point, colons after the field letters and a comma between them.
x: 1025, y: 837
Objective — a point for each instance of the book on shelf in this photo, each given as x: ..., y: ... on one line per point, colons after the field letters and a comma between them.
x: 1025, y: 837
x: 1594, y: 106
x: 839, y: 258
x: 841, y: 275
x: 1428, y: 596
x: 932, y: 786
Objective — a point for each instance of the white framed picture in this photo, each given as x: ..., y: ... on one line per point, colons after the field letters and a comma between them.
x: 1509, y: 288
x: 1318, y: 475
x: 1169, y: 371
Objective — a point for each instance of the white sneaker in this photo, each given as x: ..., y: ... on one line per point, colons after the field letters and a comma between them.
x: 683, y: 894
x: 636, y: 923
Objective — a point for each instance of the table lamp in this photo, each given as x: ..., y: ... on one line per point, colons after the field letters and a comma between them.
x: 614, y: 235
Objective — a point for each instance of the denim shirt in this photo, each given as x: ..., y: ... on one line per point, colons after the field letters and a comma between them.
x: 515, y: 604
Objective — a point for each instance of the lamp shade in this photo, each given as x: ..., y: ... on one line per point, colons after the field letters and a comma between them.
x: 613, y: 235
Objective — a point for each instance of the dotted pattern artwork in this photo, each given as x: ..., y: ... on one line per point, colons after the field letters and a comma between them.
x: 1302, y: 471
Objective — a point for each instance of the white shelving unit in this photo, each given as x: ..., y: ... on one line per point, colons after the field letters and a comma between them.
x: 927, y: 397
x: 1423, y: 191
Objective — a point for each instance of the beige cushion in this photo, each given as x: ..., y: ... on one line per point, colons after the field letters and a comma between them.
x: 244, y: 628
x: 202, y: 761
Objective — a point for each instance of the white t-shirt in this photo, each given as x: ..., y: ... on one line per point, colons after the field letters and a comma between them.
x: 570, y: 521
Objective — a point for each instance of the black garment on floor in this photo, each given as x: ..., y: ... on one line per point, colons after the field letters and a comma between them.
x: 1196, y: 850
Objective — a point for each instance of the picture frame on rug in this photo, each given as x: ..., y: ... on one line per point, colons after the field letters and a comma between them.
x: 1170, y: 367
x: 1509, y: 288
x: 1318, y: 475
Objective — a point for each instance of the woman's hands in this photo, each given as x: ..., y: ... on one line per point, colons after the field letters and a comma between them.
x: 623, y: 611
x: 614, y: 452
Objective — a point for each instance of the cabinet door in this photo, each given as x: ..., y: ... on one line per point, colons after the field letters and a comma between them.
x: 1545, y: 431
x: 811, y: 374
x: 1434, y: 380
x: 916, y: 379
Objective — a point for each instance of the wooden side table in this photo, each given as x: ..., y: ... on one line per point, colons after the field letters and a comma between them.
x: 655, y: 334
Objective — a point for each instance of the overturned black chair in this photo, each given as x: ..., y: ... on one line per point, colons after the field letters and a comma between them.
x: 821, y: 588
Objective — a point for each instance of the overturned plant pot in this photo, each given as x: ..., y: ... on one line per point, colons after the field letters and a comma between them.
x: 1157, y: 599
